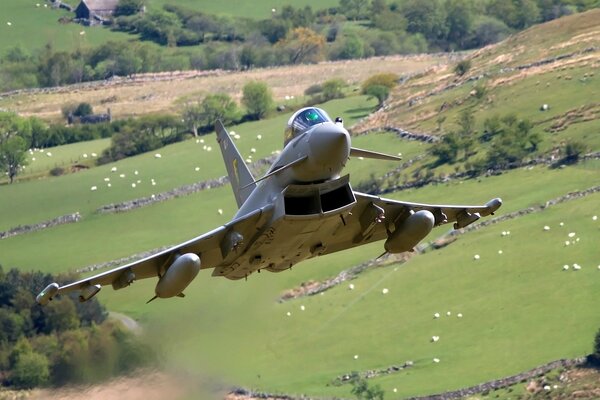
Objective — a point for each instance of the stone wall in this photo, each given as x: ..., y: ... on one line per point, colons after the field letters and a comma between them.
x: 23, y: 229
x: 504, y: 382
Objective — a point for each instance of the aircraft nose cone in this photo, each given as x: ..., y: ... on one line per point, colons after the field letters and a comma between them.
x: 330, y: 143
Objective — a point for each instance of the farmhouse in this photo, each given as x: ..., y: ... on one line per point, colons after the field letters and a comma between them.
x: 95, y: 11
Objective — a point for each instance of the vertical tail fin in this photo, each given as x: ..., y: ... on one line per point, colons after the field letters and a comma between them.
x: 242, y: 181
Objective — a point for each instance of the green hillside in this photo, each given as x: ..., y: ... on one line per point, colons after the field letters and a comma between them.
x: 240, y: 8
x: 519, y: 307
x: 33, y: 27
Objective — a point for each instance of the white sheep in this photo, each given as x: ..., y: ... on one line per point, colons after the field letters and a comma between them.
x: 94, y: 155
x: 594, y: 218
x: 434, y: 339
x: 253, y: 150
x: 133, y: 185
x: 566, y: 267
x: 220, y: 211
x: 106, y: 179
x: 157, y: 155
x: 113, y: 169
x: 121, y: 175
x: 546, y: 228
x: 476, y: 257
x: 237, y: 137
x: 93, y: 188
x: 197, y: 169
x: 436, y: 360
x: 351, y: 286
x: 385, y: 291
x: 356, y: 356
x: 258, y: 137
x: 459, y: 315
x: 572, y: 234
x: 436, y: 315
x: 448, y: 313
x: 500, y: 252
x: 302, y: 308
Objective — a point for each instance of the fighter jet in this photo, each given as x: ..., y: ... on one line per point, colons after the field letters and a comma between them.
x: 301, y: 208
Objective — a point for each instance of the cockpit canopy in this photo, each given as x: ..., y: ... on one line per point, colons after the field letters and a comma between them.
x: 304, y: 119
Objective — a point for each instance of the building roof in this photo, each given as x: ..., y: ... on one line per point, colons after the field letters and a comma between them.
x: 101, y: 5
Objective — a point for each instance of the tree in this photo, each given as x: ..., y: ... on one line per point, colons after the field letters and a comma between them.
x: 459, y: 21
x: 362, y: 390
x: 213, y: 107
x: 30, y: 370
x: 354, y: 9
x: 380, y: 92
x: 257, y: 98
x: 426, y: 17
x: 304, y: 45
x: 352, y: 47
x: 13, y: 156
x: 129, y: 7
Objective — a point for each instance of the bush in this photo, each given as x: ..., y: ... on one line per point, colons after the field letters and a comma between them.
x: 57, y: 171
x: 257, y: 98
x: 574, y: 150
x: 462, y: 67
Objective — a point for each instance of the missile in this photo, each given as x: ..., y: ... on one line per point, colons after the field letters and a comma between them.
x: 410, y: 232
x: 47, y: 294
x: 178, y: 276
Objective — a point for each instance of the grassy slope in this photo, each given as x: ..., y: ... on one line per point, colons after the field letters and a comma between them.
x: 520, y: 309
x: 240, y: 8
x: 33, y: 201
x: 33, y: 27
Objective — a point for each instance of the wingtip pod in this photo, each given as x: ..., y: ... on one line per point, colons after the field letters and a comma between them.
x: 493, y: 205
x: 47, y: 294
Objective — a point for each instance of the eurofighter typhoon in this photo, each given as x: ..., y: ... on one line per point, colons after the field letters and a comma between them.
x: 302, y: 208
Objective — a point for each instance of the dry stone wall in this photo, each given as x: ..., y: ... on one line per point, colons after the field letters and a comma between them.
x: 23, y: 229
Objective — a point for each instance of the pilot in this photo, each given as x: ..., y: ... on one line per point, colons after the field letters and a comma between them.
x: 302, y: 120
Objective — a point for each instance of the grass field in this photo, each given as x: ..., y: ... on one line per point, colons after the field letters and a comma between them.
x: 131, y: 99
x: 33, y: 27
x: 35, y: 201
x: 250, y: 339
x: 239, y: 8
x: 520, y: 308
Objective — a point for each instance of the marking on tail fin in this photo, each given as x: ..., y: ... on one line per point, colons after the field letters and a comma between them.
x: 242, y: 181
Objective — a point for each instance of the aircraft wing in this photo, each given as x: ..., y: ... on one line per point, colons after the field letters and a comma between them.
x: 209, y: 246
x: 460, y: 215
x: 372, y: 216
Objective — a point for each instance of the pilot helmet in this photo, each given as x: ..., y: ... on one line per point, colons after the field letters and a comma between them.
x: 303, y: 119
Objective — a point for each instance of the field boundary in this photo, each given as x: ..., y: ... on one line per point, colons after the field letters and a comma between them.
x: 505, y: 382
x: 23, y: 229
